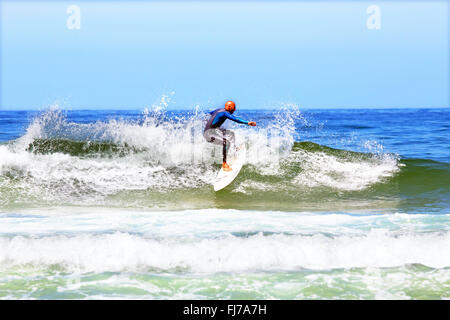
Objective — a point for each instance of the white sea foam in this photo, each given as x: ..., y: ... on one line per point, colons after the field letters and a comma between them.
x: 99, y: 240
x: 324, y: 170
x: 209, y: 222
x: 169, y: 153
x: 122, y: 251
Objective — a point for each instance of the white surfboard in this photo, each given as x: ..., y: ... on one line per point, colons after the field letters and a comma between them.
x: 224, y: 178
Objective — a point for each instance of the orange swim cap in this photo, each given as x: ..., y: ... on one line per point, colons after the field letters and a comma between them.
x: 230, y: 106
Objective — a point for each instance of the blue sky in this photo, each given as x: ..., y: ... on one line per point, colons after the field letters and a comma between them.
x: 260, y: 54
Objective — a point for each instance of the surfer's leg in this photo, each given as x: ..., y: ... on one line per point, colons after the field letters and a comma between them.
x: 217, y: 136
x: 214, y: 136
x: 225, y: 144
x: 228, y: 141
x: 225, y: 147
x: 230, y: 138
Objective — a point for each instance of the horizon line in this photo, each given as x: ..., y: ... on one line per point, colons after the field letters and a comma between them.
x: 245, y: 109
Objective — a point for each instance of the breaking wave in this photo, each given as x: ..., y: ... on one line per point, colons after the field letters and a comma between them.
x: 161, y: 157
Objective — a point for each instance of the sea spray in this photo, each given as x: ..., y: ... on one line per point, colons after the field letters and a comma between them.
x: 91, y: 207
x: 161, y: 155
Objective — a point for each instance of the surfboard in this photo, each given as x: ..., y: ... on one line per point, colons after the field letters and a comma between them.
x: 224, y: 178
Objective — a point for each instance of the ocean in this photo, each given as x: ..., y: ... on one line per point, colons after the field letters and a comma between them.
x: 331, y: 204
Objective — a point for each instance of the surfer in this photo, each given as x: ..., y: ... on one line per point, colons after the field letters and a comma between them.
x: 214, y: 133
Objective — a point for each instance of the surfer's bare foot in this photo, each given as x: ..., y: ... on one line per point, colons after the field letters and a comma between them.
x: 226, y: 167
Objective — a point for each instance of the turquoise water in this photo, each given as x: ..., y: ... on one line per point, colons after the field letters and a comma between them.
x: 332, y: 204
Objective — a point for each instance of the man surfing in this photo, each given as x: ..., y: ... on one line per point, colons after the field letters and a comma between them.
x: 214, y: 133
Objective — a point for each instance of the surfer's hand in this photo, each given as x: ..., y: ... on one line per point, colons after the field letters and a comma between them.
x: 252, y: 123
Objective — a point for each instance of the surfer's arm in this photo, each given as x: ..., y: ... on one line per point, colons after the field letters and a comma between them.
x: 236, y: 119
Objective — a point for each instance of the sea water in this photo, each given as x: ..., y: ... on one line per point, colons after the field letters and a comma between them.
x: 332, y: 204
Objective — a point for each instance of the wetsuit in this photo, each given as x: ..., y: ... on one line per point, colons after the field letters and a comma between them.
x: 215, y: 134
